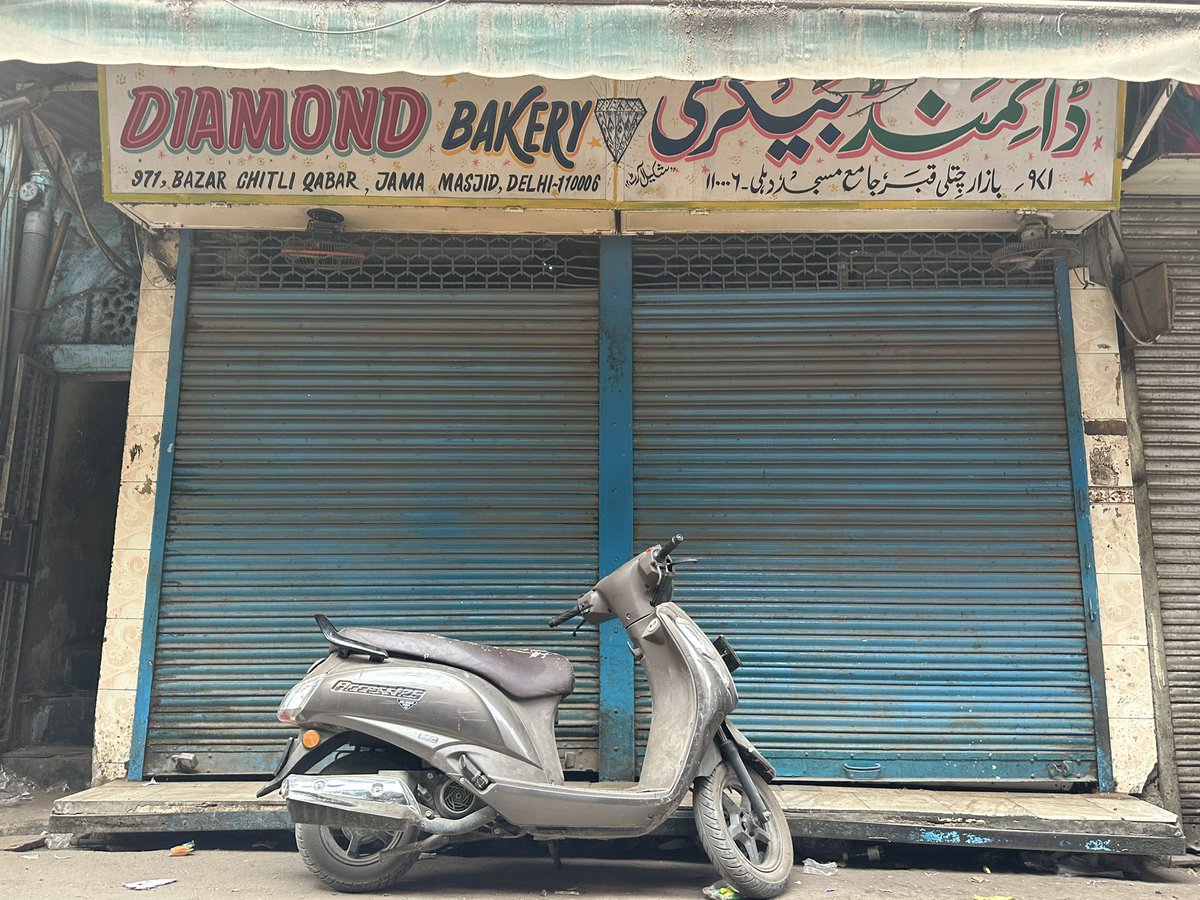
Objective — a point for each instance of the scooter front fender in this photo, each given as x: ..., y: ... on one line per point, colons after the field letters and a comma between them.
x: 754, y: 759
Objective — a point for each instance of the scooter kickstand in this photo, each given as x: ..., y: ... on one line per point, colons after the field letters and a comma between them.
x: 555, y: 857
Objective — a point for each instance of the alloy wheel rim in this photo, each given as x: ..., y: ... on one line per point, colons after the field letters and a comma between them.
x: 752, y: 841
x: 359, y: 846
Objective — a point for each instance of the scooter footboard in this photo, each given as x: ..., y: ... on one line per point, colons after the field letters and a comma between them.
x: 580, y: 811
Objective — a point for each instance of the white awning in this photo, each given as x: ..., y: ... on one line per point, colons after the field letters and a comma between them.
x: 622, y: 40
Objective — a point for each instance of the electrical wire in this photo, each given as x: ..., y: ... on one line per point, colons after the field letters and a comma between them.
x: 16, y: 169
x: 71, y: 190
x: 144, y: 241
x: 351, y: 31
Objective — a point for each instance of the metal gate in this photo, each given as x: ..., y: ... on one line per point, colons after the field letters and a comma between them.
x: 1167, y: 229
x: 864, y: 440
x: 22, y: 474
x: 413, y: 446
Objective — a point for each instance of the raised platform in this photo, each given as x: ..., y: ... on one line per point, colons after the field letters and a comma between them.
x: 1097, y: 823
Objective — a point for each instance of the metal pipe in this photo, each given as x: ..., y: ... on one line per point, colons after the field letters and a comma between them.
x: 31, y: 268
x: 10, y: 173
x: 477, y: 819
x: 56, y: 246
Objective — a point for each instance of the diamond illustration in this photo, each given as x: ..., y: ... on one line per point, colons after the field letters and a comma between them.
x: 619, y: 118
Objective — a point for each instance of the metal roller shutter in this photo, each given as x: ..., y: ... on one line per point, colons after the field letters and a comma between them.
x: 422, y: 460
x: 878, y: 488
x: 1167, y: 229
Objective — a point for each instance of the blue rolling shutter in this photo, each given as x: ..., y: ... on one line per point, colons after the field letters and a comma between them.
x: 878, y: 489
x: 416, y: 460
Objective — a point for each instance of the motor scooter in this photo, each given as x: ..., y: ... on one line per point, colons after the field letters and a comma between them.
x: 436, y: 741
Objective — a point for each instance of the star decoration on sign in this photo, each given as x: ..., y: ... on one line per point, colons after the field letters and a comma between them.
x: 449, y: 80
x: 595, y: 143
x: 1099, y: 143
x: 1087, y: 178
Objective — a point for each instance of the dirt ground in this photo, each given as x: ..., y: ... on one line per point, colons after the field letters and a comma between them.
x: 247, y: 874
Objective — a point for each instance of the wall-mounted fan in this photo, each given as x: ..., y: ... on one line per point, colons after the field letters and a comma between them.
x: 1034, y: 246
x: 324, y: 245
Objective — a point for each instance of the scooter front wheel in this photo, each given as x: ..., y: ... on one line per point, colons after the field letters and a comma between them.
x: 755, y: 859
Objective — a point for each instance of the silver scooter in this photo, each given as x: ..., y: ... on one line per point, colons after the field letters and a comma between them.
x: 451, y: 741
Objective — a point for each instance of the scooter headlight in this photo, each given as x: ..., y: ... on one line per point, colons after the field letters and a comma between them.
x: 296, y: 698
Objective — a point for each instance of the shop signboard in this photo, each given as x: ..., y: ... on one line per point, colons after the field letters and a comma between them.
x: 203, y: 136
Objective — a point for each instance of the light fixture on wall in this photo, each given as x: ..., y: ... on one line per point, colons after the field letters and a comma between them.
x: 323, y: 246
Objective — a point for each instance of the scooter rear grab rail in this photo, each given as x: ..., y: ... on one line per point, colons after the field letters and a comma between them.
x: 344, y: 645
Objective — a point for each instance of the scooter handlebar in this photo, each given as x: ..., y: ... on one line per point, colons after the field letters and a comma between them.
x: 668, y: 548
x: 566, y: 616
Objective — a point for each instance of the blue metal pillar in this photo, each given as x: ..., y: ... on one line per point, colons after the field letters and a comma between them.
x: 616, y: 748
x: 162, y: 500
x: 1083, y: 525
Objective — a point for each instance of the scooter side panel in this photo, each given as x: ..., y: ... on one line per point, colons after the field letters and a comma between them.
x: 434, y: 712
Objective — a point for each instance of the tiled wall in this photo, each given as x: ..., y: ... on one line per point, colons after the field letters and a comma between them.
x: 1114, y: 535
x: 1114, y: 526
x: 135, y: 513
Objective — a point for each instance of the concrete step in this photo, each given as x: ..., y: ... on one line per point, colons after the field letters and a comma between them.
x: 1097, y: 823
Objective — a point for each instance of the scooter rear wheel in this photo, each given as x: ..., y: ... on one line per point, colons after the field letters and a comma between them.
x: 354, y: 860
x: 755, y: 859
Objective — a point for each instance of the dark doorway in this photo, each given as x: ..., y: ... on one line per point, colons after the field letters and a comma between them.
x: 59, y: 663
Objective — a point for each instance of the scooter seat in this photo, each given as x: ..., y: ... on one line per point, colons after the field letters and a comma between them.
x: 524, y: 674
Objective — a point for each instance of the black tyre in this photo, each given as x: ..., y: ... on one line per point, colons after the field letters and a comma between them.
x: 350, y: 859
x: 755, y: 859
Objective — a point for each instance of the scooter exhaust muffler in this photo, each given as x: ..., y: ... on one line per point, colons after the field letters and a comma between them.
x: 380, y: 802
x: 351, y: 801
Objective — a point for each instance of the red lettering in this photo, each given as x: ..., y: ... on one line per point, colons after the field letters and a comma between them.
x: 147, y: 119
x: 183, y: 117
x: 256, y: 125
x: 208, y: 123
x: 397, y: 102
x: 356, y: 118
x: 303, y: 137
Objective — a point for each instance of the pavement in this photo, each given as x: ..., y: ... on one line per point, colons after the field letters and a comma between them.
x: 220, y: 868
